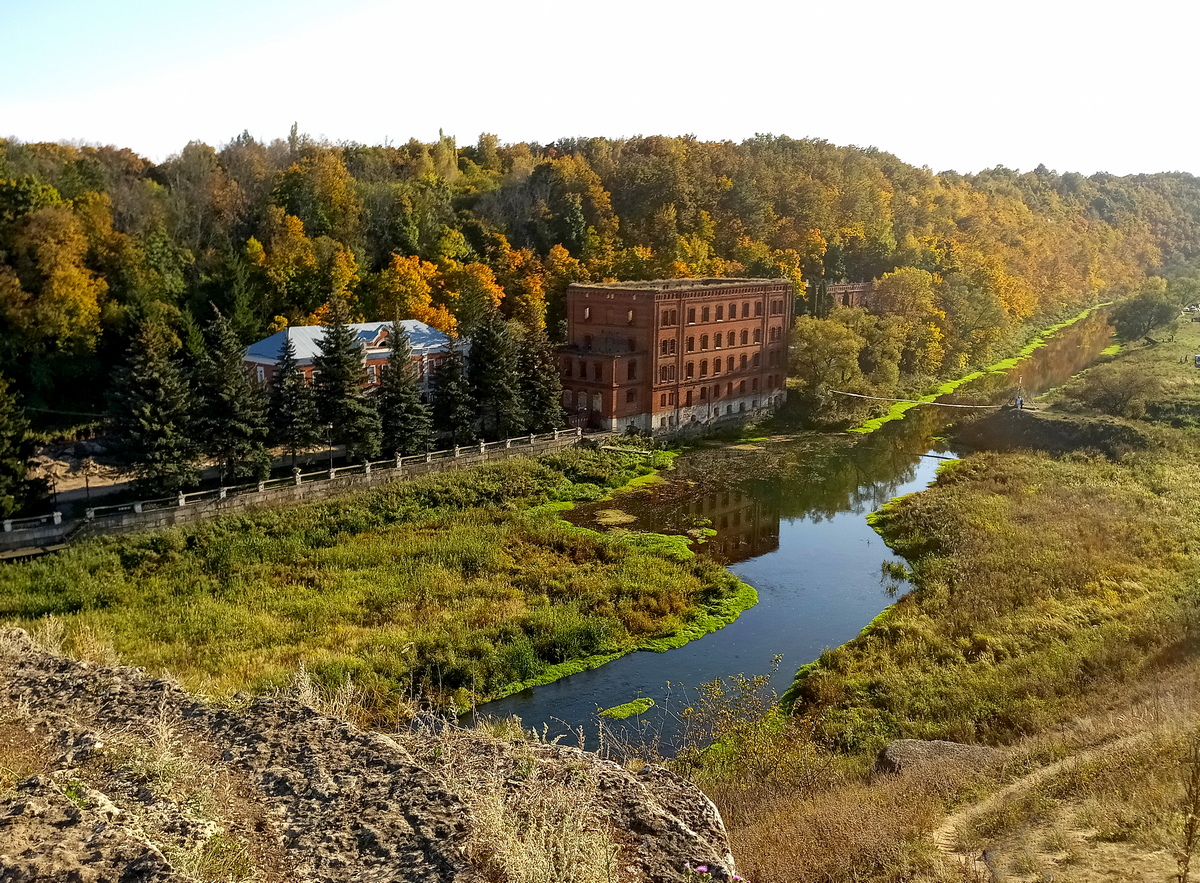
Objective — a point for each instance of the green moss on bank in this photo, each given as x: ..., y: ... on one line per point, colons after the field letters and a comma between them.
x: 629, y: 709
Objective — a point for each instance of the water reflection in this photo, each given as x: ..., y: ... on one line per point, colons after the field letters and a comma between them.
x: 788, y: 515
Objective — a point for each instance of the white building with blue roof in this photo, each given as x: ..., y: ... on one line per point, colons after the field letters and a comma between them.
x: 429, y: 347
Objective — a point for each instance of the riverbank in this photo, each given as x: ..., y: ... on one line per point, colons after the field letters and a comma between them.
x: 1051, y: 614
x: 444, y: 590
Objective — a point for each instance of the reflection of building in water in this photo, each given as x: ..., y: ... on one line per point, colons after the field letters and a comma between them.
x: 746, y: 526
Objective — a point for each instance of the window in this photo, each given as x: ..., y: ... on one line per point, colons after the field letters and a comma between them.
x: 758, y: 335
x: 704, y: 367
x: 670, y: 398
x: 690, y: 370
x: 662, y: 374
x: 631, y: 370
x: 691, y: 344
x: 716, y: 366
x: 754, y: 386
x: 717, y: 340
x: 568, y: 398
x: 729, y: 364
x: 717, y: 391
x: 587, y: 314
x: 598, y: 371
x: 692, y: 316
x: 703, y: 342
x: 587, y: 341
x: 372, y: 374
x: 567, y: 366
x: 720, y: 313
x: 728, y: 389
x: 581, y: 401
x: 671, y: 373
x: 741, y: 362
x: 704, y: 315
x: 629, y: 317
x: 598, y: 402
x: 582, y: 370
x: 703, y: 393
x: 671, y: 347
x: 261, y: 373
x: 632, y: 345
x: 730, y: 339
x: 662, y: 400
x: 687, y: 399
x: 776, y: 307
x: 757, y: 308
x: 662, y: 347
x: 732, y: 312
x: 662, y: 422
x: 746, y: 310
x: 756, y: 361
x: 745, y: 337
x: 742, y: 387
x: 631, y: 395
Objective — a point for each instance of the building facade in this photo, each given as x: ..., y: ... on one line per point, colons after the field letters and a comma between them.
x: 429, y: 347
x: 670, y: 354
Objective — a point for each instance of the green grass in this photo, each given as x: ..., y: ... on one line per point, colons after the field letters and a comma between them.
x: 458, y: 587
x: 629, y: 709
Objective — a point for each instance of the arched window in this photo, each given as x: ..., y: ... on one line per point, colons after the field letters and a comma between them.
x: 662, y: 374
x: 662, y: 347
x: 742, y: 362
x: 631, y: 395
x: 587, y: 314
x: 670, y: 347
x: 729, y: 364
x: 704, y: 314
x: 704, y: 367
x: 690, y: 370
x: 691, y: 314
x: 746, y: 310
x: 758, y: 308
x: 674, y: 317
x: 703, y: 342
x: 691, y: 344
x: 581, y: 401
x: 756, y: 361
x: 671, y: 373
x: 568, y: 398
x: 629, y: 317
x: 716, y: 366
x: 720, y: 313
x: 758, y: 335
x: 731, y: 340
x: 631, y: 370
x: 732, y: 312
x: 745, y: 337
x: 587, y: 341
x: 666, y: 318
x: 742, y: 387
x: 597, y: 402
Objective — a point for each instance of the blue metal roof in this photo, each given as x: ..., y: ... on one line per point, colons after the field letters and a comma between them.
x: 306, y: 339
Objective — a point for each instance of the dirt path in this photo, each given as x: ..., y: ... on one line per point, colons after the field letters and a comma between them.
x: 946, y: 835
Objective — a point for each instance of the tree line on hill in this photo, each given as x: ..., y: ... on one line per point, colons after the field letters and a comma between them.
x: 97, y: 243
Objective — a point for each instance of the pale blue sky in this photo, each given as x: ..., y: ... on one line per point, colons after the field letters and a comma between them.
x: 1079, y: 86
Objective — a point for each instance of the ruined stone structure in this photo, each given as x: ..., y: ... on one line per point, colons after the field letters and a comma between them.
x: 674, y: 353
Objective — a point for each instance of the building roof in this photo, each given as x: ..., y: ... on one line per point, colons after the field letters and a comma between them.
x: 306, y: 339
x: 681, y: 284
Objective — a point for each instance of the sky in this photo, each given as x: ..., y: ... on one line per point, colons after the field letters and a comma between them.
x: 1076, y: 86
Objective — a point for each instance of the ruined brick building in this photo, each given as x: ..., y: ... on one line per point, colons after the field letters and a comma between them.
x: 672, y: 353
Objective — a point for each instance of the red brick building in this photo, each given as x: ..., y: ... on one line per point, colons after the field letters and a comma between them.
x: 672, y: 353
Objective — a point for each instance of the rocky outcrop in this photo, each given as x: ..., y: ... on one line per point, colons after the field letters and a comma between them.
x: 908, y: 754
x: 122, y: 776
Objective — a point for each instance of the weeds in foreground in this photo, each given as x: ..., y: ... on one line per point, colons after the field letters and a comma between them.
x: 1190, y: 806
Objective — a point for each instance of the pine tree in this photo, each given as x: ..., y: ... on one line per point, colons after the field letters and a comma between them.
x: 492, y: 372
x: 16, y: 449
x: 540, y: 383
x: 292, y: 411
x: 453, y: 405
x: 407, y: 424
x: 232, y: 418
x: 341, y: 403
x: 150, y: 410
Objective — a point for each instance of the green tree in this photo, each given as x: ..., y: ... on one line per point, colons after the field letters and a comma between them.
x: 232, y: 417
x: 495, y: 384
x: 824, y: 352
x: 407, y: 423
x: 453, y: 405
x: 539, y: 383
x: 16, y: 449
x: 292, y: 411
x: 151, y: 409
x: 1152, y: 308
x: 341, y: 404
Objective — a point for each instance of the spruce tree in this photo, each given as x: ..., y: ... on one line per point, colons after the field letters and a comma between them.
x: 453, y: 405
x: 232, y: 416
x: 292, y: 411
x: 150, y: 410
x: 540, y: 383
x: 16, y: 450
x: 341, y: 402
x: 407, y: 425
x: 492, y: 373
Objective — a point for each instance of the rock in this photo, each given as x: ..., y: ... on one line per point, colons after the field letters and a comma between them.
x: 140, y: 781
x: 908, y: 754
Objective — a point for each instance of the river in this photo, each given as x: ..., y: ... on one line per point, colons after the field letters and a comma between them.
x: 790, y: 515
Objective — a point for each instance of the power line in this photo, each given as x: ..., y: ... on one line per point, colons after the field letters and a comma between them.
x: 68, y: 413
x: 910, y: 401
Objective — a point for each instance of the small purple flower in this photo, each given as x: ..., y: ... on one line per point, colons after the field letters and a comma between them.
x: 701, y: 869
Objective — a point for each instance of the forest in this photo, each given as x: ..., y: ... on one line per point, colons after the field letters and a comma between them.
x: 101, y: 249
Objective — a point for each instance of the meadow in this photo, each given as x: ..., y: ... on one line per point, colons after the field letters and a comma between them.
x: 446, y: 590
